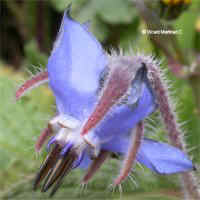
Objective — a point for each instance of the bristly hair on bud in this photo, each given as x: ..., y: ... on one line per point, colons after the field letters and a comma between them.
x: 121, y: 74
x: 35, y: 81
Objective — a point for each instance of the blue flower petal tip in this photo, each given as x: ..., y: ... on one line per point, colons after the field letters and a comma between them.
x: 163, y: 158
x: 76, y: 55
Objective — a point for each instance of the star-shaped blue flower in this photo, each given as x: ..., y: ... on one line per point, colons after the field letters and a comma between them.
x: 100, y: 100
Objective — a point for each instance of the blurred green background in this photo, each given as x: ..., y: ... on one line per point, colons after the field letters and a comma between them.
x: 27, y: 31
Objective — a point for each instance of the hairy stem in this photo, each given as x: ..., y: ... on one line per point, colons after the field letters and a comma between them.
x: 172, y: 127
x: 35, y: 81
x: 131, y: 155
x: 96, y: 164
x: 46, y: 133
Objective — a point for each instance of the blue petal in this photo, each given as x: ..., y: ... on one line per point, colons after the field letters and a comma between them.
x: 74, y: 67
x: 85, y: 162
x: 78, y: 161
x: 123, y: 118
x: 117, y: 145
x: 163, y: 158
x: 157, y: 156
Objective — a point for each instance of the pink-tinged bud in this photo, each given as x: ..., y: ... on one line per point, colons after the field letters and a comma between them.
x: 37, y: 80
x: 96, y: 164
x: 46, y: 133
x: 117, y: 85
x: 132, y: 153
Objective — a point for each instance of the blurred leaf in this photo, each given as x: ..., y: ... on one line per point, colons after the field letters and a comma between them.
x: 129, y: 34
x: 33, y: 56
x: 20, y: 125
x: 100, y: 29
x: 5, y: 158
x: 186, y: 23
x: 115, y: 11
x: 85, y: 10
x: 61, y: 5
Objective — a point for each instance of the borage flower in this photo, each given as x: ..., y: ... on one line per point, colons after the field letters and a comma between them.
x: 102, y: 101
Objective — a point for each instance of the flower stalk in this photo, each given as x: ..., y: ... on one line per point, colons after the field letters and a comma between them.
x: 95, y: 166
x: 130, y: 159
x: 174, y: 132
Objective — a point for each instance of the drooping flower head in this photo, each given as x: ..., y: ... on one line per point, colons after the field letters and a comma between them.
x: 101, y: 102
